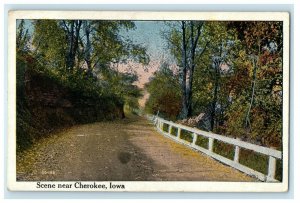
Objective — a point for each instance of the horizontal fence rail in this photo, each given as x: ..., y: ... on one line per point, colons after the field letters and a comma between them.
x: 238, y: 144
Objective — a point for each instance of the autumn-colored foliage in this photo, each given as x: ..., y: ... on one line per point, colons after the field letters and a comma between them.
x: 237, y: 79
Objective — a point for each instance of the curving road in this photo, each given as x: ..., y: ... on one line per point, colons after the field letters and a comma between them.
x: 123, y: 150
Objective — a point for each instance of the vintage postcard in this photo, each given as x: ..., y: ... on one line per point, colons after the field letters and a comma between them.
x: 148, y: 101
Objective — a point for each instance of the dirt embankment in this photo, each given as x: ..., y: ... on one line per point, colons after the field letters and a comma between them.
x: 44, y: 105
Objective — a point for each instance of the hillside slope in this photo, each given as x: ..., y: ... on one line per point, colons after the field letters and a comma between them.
x: 44, y: 105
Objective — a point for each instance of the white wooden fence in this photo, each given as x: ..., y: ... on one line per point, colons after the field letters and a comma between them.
x: 238, y: 144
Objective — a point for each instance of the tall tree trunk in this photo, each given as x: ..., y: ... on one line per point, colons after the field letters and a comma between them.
x: 76, y: 40
x: 190, y: 71
x: 247, y: 120
x: 215, y: 96
x: 73, y: 42
x: 255, y: 66
x: 188, y: 62
x: 184, y: 108
x: 87, y: 51
x: 217, y: 63
x: 70, y: 62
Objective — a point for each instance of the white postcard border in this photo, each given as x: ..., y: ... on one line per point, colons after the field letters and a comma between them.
x: 146, y: 186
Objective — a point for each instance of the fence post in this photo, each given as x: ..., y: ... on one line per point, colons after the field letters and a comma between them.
x: 178, y: 133
x: 194, y: 138
x: 237, y: 153
x: 271, y: 169
x: 210, y: 144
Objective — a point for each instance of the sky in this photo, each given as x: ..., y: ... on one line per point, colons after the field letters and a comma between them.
x: 148, y: 33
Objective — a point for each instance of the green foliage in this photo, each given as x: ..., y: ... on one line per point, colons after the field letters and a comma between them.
x: 224, y: 149
x: 92, y: 72
x: 165, y: 127
x: 256, y: 84
x: 22, y: 38
x: 202, y: 85
x: 122, y: 85
x: 109, y: 47
x: 202, y: 141
x: 174, y: 131
x: 164, y: 93
x: 50, y: 44
x: 25, y: 131
x: 258, y: 162
x: 87, y: 77
x: 186, y: 135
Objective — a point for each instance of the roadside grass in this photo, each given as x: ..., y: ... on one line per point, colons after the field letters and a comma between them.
x: 186, y: 135
x: 202, y: 141
x: 224, y: 149
x: 174, y: 131
x: 278, y: 175
x: 256, y: 161
x: 165, y: 127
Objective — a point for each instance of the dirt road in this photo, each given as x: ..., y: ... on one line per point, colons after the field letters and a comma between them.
x: 123, y: 150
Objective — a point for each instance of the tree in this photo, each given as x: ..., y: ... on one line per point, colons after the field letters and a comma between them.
x: 164, y: 90
x: 237, y: 77
x: 88, y: 47
x: 185, y: 39
x: 72, y: 29
x: 83, y: 53
x: 122, y: 84
x: 213, y: 67
x: 262, y: 99
x: 111, y: 48
x: 22, y: 40
x: 222, y: 43
x: 49, y: 44
x: 85, y: 44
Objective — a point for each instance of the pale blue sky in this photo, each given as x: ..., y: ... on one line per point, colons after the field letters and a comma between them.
x: 148, y: 33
